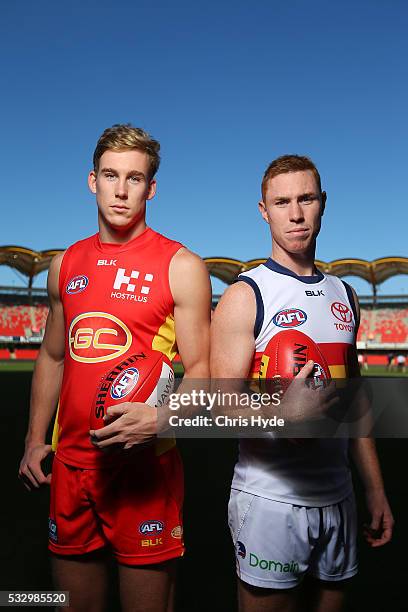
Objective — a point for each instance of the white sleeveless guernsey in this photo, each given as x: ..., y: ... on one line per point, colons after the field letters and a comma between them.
x: 321, y: 306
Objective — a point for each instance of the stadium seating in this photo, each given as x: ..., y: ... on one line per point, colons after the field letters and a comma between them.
x: 384, y: 325
x: 22, y: 320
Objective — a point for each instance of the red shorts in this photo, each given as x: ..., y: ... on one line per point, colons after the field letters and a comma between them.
x: 136, y: 509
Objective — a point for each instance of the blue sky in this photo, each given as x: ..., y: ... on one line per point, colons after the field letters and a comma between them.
x: 226, y: 87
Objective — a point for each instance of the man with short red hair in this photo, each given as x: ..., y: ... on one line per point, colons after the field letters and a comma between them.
x: 292, y: 510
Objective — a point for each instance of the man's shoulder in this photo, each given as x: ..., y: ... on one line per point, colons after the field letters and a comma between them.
x: 187, y: 266
x: 240, y: 294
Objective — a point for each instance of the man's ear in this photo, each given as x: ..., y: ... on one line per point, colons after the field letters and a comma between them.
x: 92, y: 181
x: 324, y: 198
x: 151, y: 190
x: 262, y: 210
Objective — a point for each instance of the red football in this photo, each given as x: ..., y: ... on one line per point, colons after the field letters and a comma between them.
x: 286, y: 354
x: 146, y: 377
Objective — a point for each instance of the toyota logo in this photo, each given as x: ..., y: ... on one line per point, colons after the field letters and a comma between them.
x: 341, y: 312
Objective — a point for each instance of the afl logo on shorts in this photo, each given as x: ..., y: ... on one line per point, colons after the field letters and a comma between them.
x: 241, y: 550
x: 290, y: 317
x: 341, y: 312
x: 52, y: 530
x: 124, y: 383
x: 77, y: 284
x: 151, y: 527
x: 97, y: 336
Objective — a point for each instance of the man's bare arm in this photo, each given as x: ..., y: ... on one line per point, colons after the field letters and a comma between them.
x: 232, y: 333
x: 46, y: 385
x: 365, y: 457
x: 191, y: 289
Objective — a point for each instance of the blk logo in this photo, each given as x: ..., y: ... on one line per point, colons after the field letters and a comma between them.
x: 314, y: 293
x: 106, y: 262
x: 122, y: 278
x: 152, y: 542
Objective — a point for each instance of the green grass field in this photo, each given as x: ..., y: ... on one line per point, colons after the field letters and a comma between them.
x: 16, y: 366
x: 28, y: 366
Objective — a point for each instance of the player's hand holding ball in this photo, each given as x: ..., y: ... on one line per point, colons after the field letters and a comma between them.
x: 295, y: 366
x: 126, y: 425
x: 125, y: 411
x: 304, y: 401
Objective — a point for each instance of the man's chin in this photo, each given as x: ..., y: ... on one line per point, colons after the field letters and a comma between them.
x: 121, y: 225
x: 299, y: 247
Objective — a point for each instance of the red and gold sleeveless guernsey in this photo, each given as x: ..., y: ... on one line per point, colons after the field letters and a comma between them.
x: 117, y: 301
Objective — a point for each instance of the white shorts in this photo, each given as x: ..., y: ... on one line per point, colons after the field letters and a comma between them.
x: 276, y: 543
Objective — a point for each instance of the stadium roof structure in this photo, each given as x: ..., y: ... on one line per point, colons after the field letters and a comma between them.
x: 26, y: 261
x: 30, y: 263
x: 375, y: 272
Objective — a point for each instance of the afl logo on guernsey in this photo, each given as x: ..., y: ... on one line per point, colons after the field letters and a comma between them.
x: 124, y: 383
x: 290, y: 317
x: 97, y: 336
x: 77, y: 284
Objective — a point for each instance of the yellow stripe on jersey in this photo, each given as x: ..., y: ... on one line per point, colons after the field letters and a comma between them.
x: 165, y: 342
x: 165, y: 339
x: 263, y: 368
x: 56, y: 432
x: 338, y: 371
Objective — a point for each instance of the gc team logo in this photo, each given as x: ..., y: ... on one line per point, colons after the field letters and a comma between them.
x: 341, y: 312
x: 97, y: 336
x: 177, y: 532
x: 124, y: 383
x: 241, y: 550
x: 77, y: 284
x: 290, y: 317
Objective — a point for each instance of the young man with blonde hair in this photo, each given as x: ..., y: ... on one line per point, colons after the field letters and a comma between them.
x: 130, y: 290
x: 292, y: 511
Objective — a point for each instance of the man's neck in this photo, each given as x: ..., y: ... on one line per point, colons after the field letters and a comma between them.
x: 302, y: 264
x: 111, y: 235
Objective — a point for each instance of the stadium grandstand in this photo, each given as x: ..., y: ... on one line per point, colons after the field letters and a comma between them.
x: 384, y: 318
